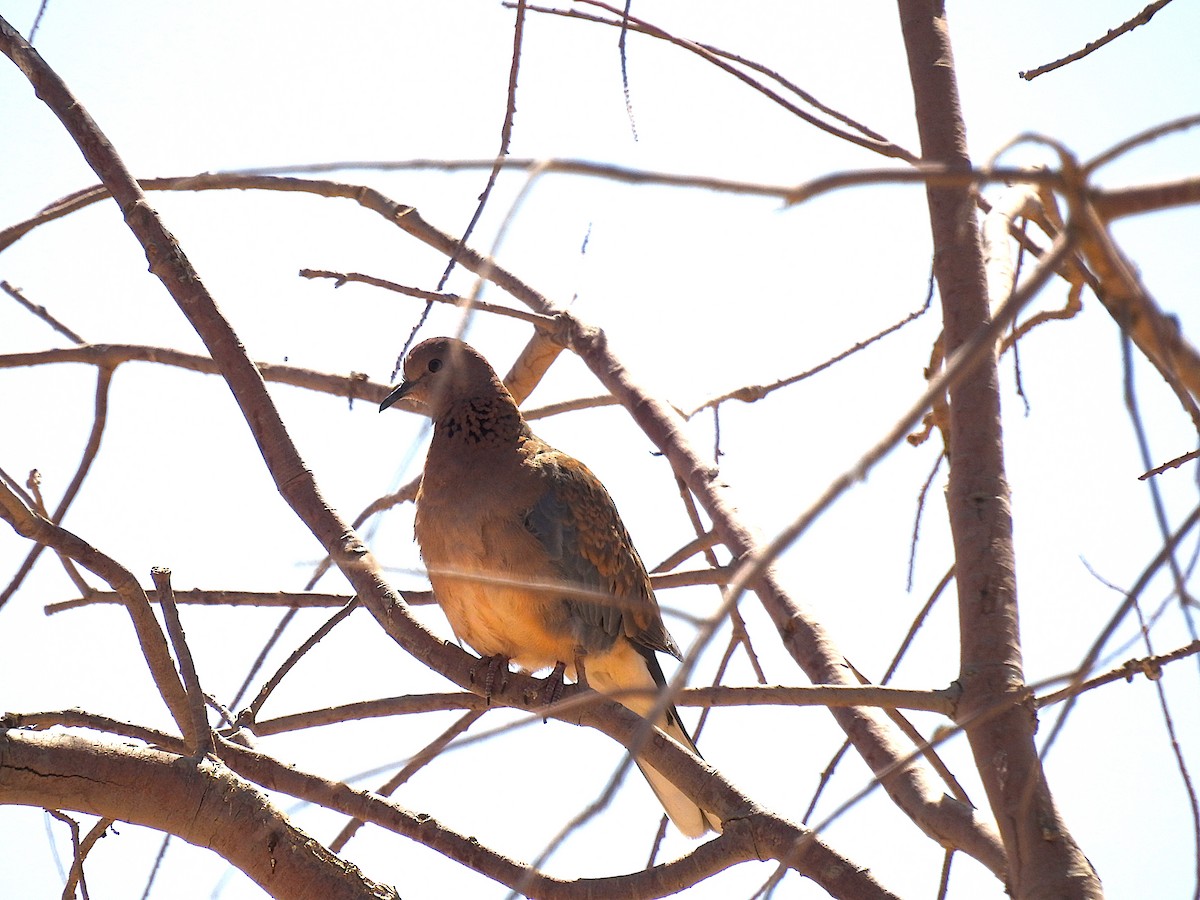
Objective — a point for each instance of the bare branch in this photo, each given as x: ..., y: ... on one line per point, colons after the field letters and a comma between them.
x: 1111, y: 35
x: 540, y: 322
x: 584, y: 167
x: 426, y: 755
x: 196, y: 732
x: 204, y: 804
x: 866, y: 138
x: 1170, y: 464
x: 1042, y: 856
x: 82, y: 849
x: 41, y: 312
x: 256, y: 704
x: 754, y: 392
x: 103, y: 383
x: 150, y: 637
x: 1149, y: 666
x: 746, y: 838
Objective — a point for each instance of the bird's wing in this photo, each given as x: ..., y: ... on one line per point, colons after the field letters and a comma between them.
x: 577, y: 522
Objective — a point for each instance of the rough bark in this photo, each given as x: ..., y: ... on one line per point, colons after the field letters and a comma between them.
x: 200, y: 801
x: 1043, y: 858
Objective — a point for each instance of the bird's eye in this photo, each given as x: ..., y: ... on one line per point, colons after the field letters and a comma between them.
x: 434, y: 365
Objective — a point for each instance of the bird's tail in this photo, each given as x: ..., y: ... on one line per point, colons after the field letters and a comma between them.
x: 682, y: 810
x: 637, y: 675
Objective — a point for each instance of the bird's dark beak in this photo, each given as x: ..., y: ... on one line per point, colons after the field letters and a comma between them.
x: 399, y: 393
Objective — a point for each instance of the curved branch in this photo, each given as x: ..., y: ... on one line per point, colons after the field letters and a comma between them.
x: 203, y: 803
x: 150, y: 637
x: 742, y: 840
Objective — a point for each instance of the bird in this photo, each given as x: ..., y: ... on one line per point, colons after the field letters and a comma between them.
x: 528, y: 556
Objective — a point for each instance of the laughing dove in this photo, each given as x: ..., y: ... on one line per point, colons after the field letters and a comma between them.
x: 527, y: 554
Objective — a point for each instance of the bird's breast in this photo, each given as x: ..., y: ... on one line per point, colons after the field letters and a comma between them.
x: 492, y: 578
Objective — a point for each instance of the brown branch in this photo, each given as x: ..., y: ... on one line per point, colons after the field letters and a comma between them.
x: 583, y: 167
x: 294, y: 657
x: 206, y: 805
x: 78, y: 718
x: 297, y: 599
x: 1043, y: 858
x: 840, y: 696
x: 315, y: 600
x: 82, y: 849
x: 1140, y: 139
x: 109, y: 356
x: 1149, y: 666
x: 196, y: 733
x: 753, y: 837
x: 929, y: 173
x: 76, y: 874
x: 41, y: 312
x: 539, y: 322
x: 421, y: 759
x: 1156, y: 334
x: 369, y: 709
x: 699, y: 544
x: 925, y: 747
x: 150, y: 638
x: 1170, y: 464
x: 510, y: 112
x: 100, y: 419
x: 39, y: 503
x: 866, y: 138
x: 1089, y: 659
x: 566, y: 406
x: 404, y: 217
x: 1111, y: 35
x: 754, y: 392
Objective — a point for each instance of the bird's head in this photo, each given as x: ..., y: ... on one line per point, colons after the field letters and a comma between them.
x: 442, y: 371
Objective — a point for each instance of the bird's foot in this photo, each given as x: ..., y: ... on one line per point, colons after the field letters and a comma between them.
x: 552, y: 688
x: 580, y: 669
x: 491, y: 673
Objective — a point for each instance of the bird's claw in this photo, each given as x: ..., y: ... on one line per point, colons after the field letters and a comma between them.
x: 491, y: 673
x: 553, y: 687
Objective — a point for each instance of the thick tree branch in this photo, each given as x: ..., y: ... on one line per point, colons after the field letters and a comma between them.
x: 1043, y: 859
x: 203, y: 803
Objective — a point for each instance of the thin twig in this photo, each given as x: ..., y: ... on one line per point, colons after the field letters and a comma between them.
x: 1113, y: 33
x: 510, y: 112
x: 39, y: 503
x: 425, y: 756
x: 551, y: 166
x: 97, y: 831
x: 916, y: 530
x: 537, y: 321
x: 1170, y: 464
x: 256, y: 704
x: 103, y: 381
x: 1151, y: 667
x: 752, y: 393
x: 196, y: 732
x: 719, y: 58
x: 41, y: 312
x: 1093, y: 653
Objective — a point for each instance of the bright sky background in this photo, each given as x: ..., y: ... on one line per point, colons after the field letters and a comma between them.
x: 699, y: 292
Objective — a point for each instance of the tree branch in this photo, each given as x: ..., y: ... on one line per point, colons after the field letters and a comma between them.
x: 205, y: 804
x: 1043, y: 858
